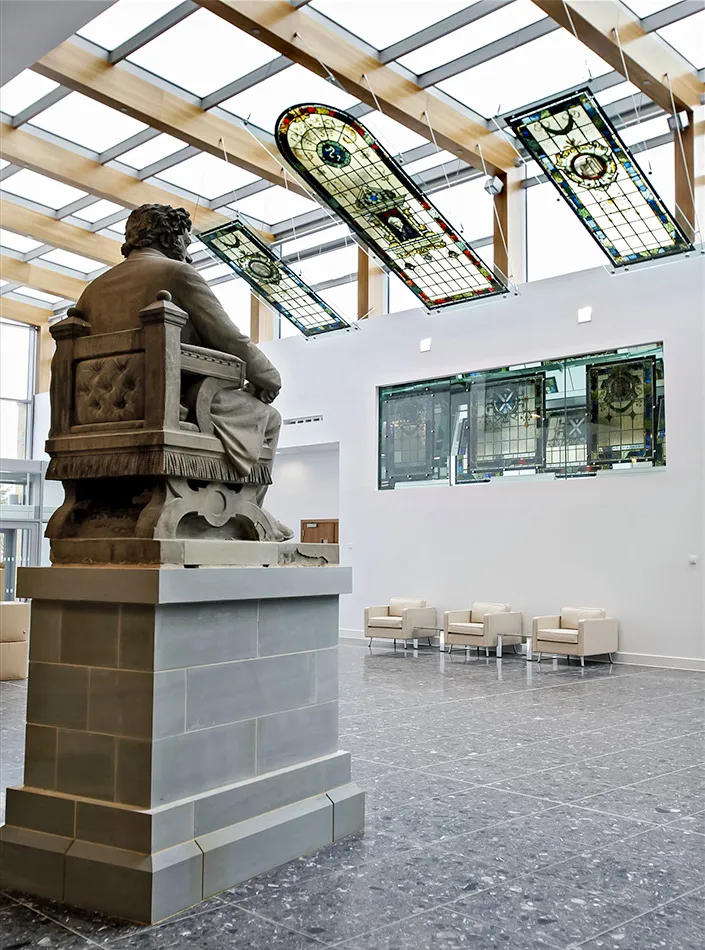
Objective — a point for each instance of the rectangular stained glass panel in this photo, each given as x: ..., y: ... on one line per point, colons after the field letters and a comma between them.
x: 271, y: 278
x: 582, y: 154
x: 504, y: 424
x: 622, y: 411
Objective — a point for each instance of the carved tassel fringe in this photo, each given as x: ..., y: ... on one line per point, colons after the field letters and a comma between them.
x: 175, y: 464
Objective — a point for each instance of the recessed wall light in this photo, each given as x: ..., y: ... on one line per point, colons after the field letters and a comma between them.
x: 585, y: 315
x: 425, y: 345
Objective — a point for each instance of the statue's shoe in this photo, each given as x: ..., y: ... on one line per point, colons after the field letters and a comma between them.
x: 286, y: 533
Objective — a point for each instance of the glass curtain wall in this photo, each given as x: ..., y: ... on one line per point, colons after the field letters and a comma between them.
x: 562, y: 418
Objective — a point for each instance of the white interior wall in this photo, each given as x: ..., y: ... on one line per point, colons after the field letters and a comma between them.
x: 620, y: 540
x: 305, y: 485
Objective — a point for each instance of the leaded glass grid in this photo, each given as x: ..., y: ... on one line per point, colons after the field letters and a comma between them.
x: 357, y: 178
x: 581, y: 153
x: 562, y: 417
x: 271, y: 278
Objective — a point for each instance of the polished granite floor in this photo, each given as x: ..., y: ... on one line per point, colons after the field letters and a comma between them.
x: 508, y: 807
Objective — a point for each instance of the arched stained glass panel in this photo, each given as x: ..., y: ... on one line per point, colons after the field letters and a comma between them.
x: 351, y: 172
x: 582, y: 154
x: 271, y: 278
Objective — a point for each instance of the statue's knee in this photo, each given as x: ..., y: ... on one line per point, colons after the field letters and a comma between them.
x: 275, y: 418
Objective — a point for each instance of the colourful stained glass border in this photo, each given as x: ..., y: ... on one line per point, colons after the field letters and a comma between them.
x: 254, y: 261
x: 360, y: 181
x: 580, y: 151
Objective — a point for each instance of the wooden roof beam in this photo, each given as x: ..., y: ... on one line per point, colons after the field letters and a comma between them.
x: 34, y: 152
x: 61, y: 234
x: 121, y: 88
x: 304, y: 39
x: 41, y: 278
x: 24, y: 312
x: 611, y: 30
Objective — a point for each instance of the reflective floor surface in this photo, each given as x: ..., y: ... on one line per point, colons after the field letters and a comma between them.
x: 507, y: 807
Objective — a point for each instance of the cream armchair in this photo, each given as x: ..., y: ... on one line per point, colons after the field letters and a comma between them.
x: 484, y: 625
x: 577, y: 631
x: 399, y: 620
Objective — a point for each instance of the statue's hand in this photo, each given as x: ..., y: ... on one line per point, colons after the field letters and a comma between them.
x: 267, y: 395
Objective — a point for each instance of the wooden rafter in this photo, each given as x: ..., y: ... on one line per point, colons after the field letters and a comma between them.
x: 304, y: 39
x: 60, y: 234
x: 117, y: 87
x: 31, y: 151
x: 611, y: 30
x: 23, y: 312
x: 41, y: 278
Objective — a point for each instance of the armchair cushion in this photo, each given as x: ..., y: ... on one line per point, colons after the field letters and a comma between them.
x: 480, y: 608
x: 469, y: 629
x: 558, y: 636
x: 387, y: 622
x: 571, y: 616
x: 110, y: 389
x: 398, y: 604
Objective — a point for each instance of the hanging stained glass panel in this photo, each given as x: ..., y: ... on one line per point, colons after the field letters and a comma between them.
x: 505, y: 422
x: 622, y: 411
x: 357, y: 178
x: 581, y: 153
x: 254, y: 261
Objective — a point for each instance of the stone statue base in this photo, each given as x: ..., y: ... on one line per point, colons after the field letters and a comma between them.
x: 182, y: 734
x: 192, y: 552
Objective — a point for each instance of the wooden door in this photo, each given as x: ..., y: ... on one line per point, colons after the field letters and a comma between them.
x: 322, y: 531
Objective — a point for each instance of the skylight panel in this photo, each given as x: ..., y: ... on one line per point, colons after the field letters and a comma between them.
x: 87, y: 122
x: 474, y: 36
x: 37, y: 294
x: 207, y: 176
x: 152, y: 151
x: 274, y: 205
x: 643, y: 131
x: 84, y: 265
x: 687, y: 36
x: 203, y: 53
x: 43, y: 190
x: 123, y: 20
x: 263, y: 103
x: 526, y: 74
x: 393, y: 135
x: 621, y: 91
x: 101, y: 209
x: 318, y: 237
x: 383, y: 22
x: 23, y: 90
x: 430, y: 161
x: 17, y: 242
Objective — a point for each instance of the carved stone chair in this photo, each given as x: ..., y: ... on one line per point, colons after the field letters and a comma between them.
x: 133, y: 443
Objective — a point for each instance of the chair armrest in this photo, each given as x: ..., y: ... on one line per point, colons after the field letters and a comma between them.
x: 545, y: 623
x: 506, y: 623
x: 417, y: 617
x: 600, y: 635
x: 375, y: 612
x: 455, y: 616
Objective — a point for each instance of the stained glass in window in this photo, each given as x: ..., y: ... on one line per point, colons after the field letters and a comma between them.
x: 351, y: 172
x: 584, y: 157
x: 414, y: 434
x: 504, y: 423
x: 271, y: 278
x: 622, y: 411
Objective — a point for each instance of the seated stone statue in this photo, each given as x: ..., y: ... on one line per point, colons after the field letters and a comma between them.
x: 156, y: 242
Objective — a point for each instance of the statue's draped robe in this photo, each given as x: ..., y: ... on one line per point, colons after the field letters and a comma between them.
x: 113, y: 301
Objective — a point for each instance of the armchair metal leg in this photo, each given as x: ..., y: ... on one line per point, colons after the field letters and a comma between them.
x: 450, y: 649
x: 610, y: 656
x: 487, y: 651
x: 538, y: 658
x: 499, y: 648
x: 416, y: 643
x: 582, y: 661
x: 429, y: 640
x: 404, y: 642
x: 467, y: 653
x: 477, y: 650
x: 370, y: 643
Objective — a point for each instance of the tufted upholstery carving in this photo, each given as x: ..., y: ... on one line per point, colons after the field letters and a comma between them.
x: 110, y: 389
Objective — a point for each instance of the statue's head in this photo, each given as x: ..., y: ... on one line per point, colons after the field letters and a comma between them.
x: 161, y: 227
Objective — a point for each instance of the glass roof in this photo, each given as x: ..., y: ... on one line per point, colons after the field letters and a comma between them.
x: 37, y: 294
x: 23, y: 90
x: 492, y: 87
x: 263, y: 104
x: 383, y: 22
x: 207, y: 176
x: 274, y: 204
x: 85, y: 265
x: 688, y: 37
x: 43, y: 190
x: 394, y: 136
x: 152, y: 151
x: 17, y: 241
x: 474, y: 36
x: 123, y: 20
x: 203, y: 53
x: 87, y: 122
x: 100, y: 209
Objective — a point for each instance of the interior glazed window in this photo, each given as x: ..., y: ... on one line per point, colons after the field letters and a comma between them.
x: 562, y: 418
x: 17, y: 343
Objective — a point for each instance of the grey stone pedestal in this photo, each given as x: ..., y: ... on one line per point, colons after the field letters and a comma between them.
x: 182, y: 733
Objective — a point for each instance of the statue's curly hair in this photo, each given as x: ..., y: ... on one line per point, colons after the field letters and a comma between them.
x: 156, y: 226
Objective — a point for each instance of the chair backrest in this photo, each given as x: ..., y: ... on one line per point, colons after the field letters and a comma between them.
x: 570, y: 616
x: 480, y: 608
x: 397, y: 604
